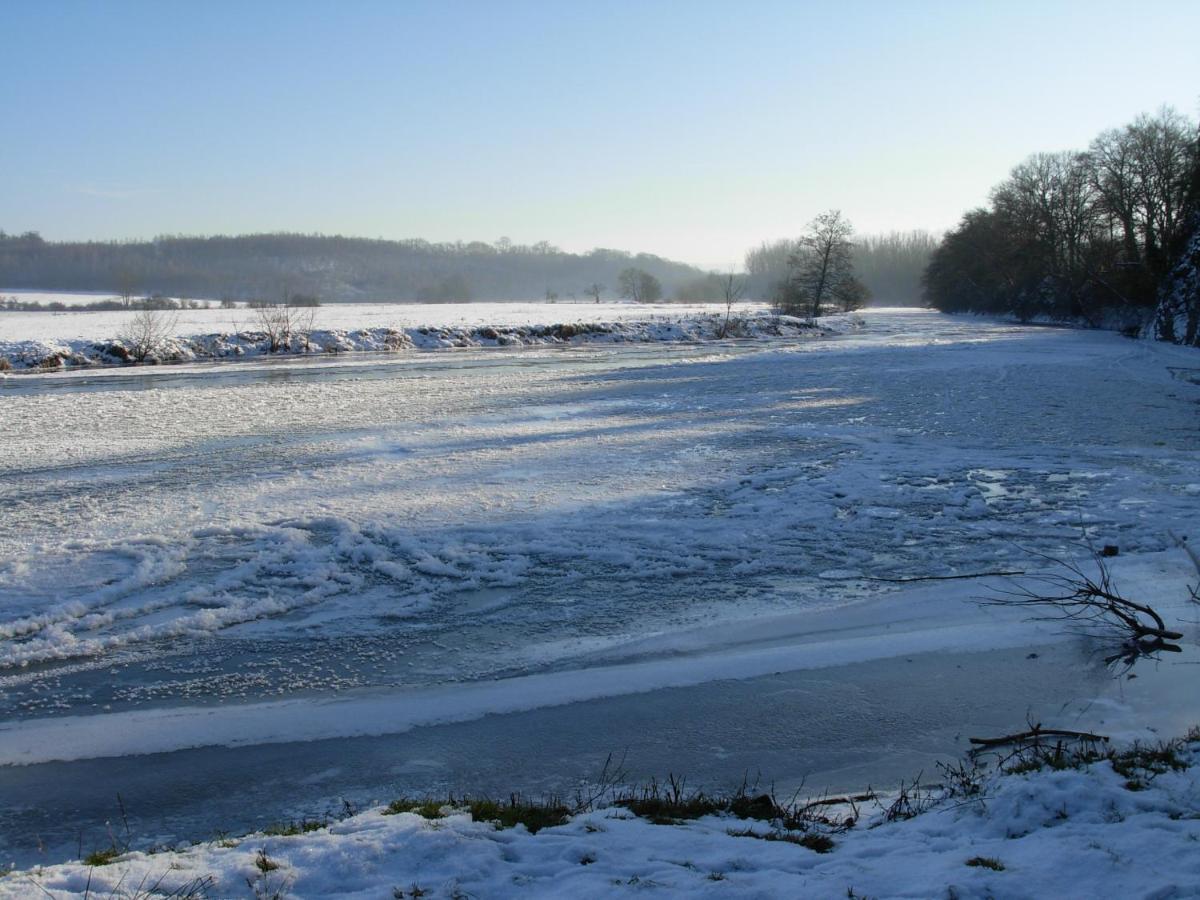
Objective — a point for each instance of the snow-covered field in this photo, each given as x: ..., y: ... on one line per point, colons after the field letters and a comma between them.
x: 49, y: 327
x: 486, y: 570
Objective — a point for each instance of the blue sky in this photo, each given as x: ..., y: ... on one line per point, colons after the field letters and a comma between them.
x: 690, y: 129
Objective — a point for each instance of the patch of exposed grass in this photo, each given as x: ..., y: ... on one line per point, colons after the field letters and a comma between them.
x: 534, y: 815
x: 102, y: 857
x: 1138, y: 764
x: 426, y: 809
x: 1141, y: 763
x: 671, y: 810
x: 671, y: 802
x: 516, y: 810
x: 812, y: 840
x: 986, y: 862
x: 290, y: 829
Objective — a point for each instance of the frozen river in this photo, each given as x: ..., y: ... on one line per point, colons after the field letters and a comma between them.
x: 236, y: 593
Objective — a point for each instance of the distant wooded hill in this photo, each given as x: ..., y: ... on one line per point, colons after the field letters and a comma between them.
x: 263, y: 266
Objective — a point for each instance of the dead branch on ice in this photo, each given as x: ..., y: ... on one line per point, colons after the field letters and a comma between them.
x: 1035, y: 734
x: 1095, y: 602
x: 968, y: 575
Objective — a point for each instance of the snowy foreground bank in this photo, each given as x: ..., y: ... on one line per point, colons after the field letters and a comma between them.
x: 52, y: 353
x: 1126, y: 826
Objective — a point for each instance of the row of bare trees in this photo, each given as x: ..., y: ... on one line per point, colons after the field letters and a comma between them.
x: 1075, y: 233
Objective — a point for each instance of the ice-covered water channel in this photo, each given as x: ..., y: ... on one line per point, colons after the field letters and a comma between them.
x: 238, y: 593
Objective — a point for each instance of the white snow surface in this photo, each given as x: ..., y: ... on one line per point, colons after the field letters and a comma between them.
x: 1070, y: 834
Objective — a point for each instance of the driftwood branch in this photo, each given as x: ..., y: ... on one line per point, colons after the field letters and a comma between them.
x: 1076, y: 596
x: 1036, y: 734
x: 840, y: 801
x: 943, y: 577
x: 1038, y: 744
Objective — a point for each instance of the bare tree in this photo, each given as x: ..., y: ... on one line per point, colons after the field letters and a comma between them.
x: 274, y: 320
x: 594, y: 290
x: 639, y: 286
x: 283, y: 321
x: 821, y: 269
x: 1113, y: 173
x: 147, y: 330
x: 127, y: 285
x: 1163, y: 147
x: 734, y: 288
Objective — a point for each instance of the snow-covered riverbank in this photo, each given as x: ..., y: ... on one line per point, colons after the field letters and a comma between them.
x: 49, y: 340
x: 1104, y: 829
x: 52, y: 354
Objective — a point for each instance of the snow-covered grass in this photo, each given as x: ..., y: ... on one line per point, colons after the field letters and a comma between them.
x: 1121, y: 824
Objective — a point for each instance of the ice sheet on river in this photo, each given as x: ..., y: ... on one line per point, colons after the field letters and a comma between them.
x: 210, y: 534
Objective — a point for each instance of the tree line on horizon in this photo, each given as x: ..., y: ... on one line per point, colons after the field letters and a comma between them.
x: 1087, y: 235
x: 335, y: 268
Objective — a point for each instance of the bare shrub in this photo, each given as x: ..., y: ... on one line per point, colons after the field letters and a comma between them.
x: 733, y: 288
x: 147, y: 330
x: 280, y: 322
